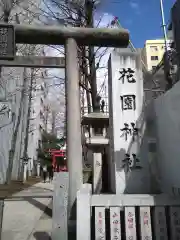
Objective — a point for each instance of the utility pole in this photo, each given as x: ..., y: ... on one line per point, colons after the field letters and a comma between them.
x: 167, y: 70
x: 163, y: 25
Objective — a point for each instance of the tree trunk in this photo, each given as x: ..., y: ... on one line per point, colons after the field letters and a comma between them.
x: 14, y: 137
x: 89, y: 6
x: 25, y: 154
x: 86, y: 76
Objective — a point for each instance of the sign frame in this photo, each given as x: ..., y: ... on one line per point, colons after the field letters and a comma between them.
x: 13, y: 43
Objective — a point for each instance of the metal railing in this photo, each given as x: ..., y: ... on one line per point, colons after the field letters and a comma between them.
x: 84, y: 110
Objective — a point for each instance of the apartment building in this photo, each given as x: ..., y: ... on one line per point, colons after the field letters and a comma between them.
x: 153, y: 52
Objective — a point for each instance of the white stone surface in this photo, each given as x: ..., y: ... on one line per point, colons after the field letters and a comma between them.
x: 60, y: 206
x: 84, y: 212
x: 97, y: 173
x: 135, y: 181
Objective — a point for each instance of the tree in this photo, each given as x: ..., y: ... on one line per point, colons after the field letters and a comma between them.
x: 49, y: 141
x: 77, y: 13
x: 21, y: 90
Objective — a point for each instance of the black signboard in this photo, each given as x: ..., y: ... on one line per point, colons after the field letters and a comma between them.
x: 7, y: 42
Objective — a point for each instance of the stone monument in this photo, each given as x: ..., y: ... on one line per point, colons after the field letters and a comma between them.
x: 127, y: 123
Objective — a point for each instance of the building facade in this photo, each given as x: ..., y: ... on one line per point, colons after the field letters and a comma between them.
x: 153, y: 52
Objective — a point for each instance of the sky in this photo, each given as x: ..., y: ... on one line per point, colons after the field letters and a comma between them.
x: 141, y: 17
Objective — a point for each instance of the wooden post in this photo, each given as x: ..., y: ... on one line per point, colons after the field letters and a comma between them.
x: 145, y: 220
x: 100, y: 229
x: 115, y: 223
x: 130, y: 223
x: 160, y: 224
x: 60, y: 205
x: 175, y: 222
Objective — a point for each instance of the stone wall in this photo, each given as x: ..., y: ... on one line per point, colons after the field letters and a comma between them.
x: 167, y: 123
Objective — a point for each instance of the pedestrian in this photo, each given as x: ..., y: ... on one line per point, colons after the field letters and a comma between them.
x: 44, y: 173
x: 51, y: 173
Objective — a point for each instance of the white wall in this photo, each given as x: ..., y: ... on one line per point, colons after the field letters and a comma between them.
x: 167, y: 110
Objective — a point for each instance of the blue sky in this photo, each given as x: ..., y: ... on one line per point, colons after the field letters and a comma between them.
x: 141, y: 17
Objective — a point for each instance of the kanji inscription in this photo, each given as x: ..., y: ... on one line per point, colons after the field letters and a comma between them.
x: 129, y: 130
x: 127, y: 74
x: 128, y: 102
x: 115, y: 223
x: 7, y: 42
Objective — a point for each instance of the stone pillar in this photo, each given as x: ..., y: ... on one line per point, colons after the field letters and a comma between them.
x: 60, y: 201
x: 97, y: 172
x: 38, y: 169
x: 127, y: 123
x: 25, y: 172
x: 73, y: 118
x: 30, y: 168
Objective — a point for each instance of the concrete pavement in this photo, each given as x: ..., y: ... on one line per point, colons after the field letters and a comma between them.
x: 29, y: 218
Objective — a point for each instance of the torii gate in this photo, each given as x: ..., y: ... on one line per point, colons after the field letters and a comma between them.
x: 58, y: 153
x: 70, y: 37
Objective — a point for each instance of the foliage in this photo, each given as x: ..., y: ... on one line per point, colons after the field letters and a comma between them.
x: 49, y: 141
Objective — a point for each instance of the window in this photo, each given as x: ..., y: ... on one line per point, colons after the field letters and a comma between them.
x: 154, y: 48
x: 154, y: 58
